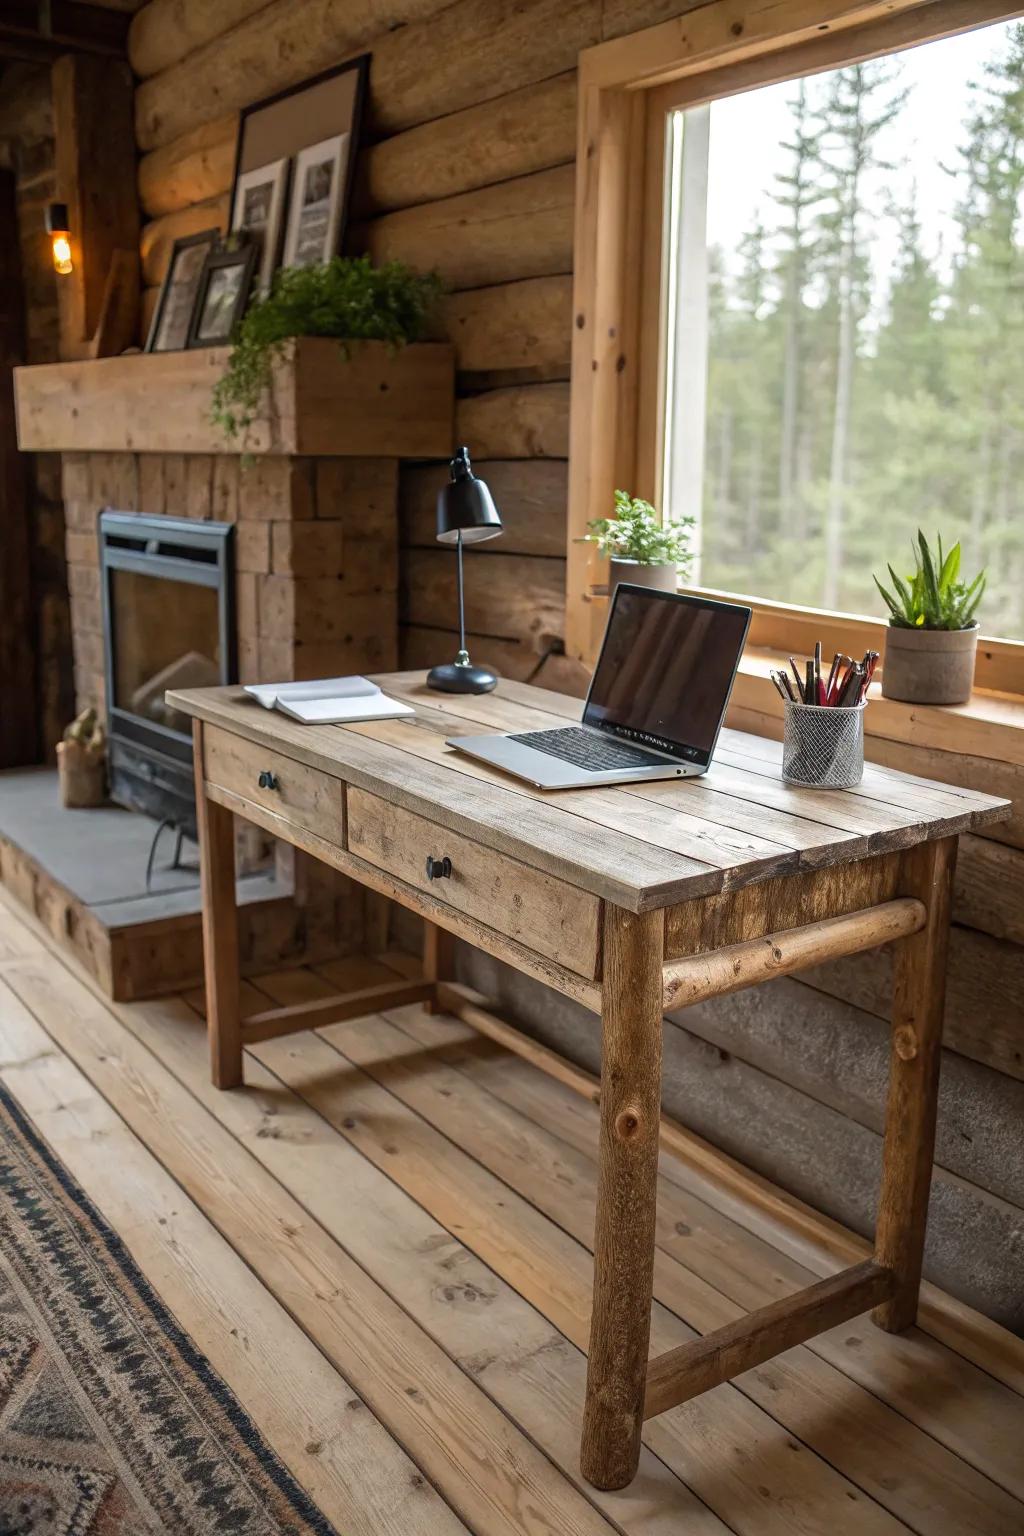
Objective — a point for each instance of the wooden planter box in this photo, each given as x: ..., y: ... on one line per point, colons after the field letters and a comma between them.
x: 372, y: 402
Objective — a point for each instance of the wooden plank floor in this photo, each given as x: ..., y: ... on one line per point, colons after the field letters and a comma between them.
x: 383, y: 1245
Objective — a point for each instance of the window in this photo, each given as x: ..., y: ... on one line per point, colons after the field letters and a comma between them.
x: 845, y: 305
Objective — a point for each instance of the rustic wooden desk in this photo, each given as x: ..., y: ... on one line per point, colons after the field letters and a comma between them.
x: 632, y: 901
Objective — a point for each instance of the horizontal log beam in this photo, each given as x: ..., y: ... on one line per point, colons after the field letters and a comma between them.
x: 273, y: 1022
x: 690, y: 1369
x: 699, y: 977
x: 516, y: 230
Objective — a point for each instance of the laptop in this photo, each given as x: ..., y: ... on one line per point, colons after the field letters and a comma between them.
x: 656, y: 702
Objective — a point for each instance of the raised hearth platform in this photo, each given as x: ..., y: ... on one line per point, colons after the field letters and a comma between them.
x: 83, y: 874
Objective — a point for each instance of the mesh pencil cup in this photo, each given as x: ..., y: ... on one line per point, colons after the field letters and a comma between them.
x: 823, y: 747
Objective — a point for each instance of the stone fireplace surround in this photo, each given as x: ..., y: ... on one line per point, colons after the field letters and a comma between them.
x: 316, y: 561
x: 316, y: 592
x: 313, y: 501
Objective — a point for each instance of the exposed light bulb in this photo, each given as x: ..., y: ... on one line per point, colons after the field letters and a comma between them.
x: 62, y: 253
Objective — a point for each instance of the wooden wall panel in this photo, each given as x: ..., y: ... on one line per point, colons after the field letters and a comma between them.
x: 515, y: 330
x: 277, y: 46
x: 475, y: 51
x: 192, y: 169
x: 530, y: 495
x: 518, y: 229
x: 18, y: 723
x: 510, y: 597
x: 528, y: 130
x: 27, y: 147
x: 523, y: 422
x: 166, y: 31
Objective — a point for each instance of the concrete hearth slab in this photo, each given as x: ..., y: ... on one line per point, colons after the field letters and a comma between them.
x: 83, y: 874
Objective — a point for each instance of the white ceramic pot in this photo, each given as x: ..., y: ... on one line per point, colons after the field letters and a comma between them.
x: 929, y: 666
x: 662, y: 578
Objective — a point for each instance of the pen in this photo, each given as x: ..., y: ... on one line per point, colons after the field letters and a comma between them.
x: 833, y: 669
x: 851, y: 686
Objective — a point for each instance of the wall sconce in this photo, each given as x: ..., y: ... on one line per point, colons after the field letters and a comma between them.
x: 60, y: 237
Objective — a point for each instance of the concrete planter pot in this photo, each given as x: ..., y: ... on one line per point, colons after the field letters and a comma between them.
x: 661, y: 578
x: 929, y: 666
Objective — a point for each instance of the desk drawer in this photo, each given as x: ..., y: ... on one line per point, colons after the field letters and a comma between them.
x: 540, y: 912
x: 304, y: 796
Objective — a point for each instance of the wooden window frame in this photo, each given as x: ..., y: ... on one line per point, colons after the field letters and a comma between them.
x: 626, y: 89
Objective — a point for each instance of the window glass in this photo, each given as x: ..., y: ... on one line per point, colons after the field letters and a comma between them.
x: 845, y: 359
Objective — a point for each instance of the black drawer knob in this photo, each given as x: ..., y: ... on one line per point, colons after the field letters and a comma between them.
x: 438, y: 869
x: 268, y: 780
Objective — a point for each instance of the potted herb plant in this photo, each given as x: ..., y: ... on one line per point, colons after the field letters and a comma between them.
x: 639, y: 547
x: 932, y: 639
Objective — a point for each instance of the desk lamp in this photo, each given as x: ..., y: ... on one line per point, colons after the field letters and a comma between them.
x: 466, y: 514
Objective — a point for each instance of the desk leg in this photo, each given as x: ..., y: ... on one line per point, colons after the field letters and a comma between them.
x: 438, y: 958
x: 627, y: 1190
x: 919, y: 988
x: 220, y: 928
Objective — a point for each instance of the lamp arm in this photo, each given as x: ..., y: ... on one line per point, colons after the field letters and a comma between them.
x: 462, y: 606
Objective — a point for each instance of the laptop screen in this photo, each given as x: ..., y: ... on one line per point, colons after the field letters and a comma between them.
x: 666, y: 669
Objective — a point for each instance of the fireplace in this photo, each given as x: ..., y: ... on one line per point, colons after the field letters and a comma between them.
x: 167, y: 595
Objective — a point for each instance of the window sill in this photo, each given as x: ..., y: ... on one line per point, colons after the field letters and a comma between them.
x: 990, y: 725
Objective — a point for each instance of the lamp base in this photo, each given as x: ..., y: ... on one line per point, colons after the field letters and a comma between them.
x: 460, y: 676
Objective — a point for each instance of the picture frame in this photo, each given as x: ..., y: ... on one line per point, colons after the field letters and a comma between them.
x: 171, y: 324
x: 257, y: 210
x: 305, y: 116
x: 315, y: 205
x: 223, y: 293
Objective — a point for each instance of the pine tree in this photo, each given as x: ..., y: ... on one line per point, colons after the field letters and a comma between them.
x: 797, y: 193
x: 985, y: 326
x: 859, y: 106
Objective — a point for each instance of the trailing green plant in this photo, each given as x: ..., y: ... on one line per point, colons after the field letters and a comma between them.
x: 347, y: 297
x: 637, y: 533
x: 934, y: 597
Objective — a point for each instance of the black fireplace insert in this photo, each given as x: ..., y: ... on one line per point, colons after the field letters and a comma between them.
x: 168, y: 596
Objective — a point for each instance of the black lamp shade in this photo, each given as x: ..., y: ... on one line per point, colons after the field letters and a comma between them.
x: 465, y: 506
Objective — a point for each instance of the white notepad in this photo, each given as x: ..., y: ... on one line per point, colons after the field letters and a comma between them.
x: 344, y: 711
x: 329, y: 700
x: 269, y: 694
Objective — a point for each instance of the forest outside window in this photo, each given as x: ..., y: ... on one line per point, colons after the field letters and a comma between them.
x: 845, y: 301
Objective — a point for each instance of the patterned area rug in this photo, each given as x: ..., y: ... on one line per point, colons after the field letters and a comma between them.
x: 111, y: 1421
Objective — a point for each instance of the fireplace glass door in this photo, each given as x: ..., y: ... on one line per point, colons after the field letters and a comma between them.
x: 168, y: 614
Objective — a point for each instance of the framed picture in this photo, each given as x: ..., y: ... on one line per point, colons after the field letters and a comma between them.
x: 314, y: 126
x: 314, y: 213
x: 223, y: 294
x: 172, y: 318
x: 258, y: 209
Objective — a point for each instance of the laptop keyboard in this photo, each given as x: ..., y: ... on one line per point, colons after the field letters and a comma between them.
x: 587, y: 750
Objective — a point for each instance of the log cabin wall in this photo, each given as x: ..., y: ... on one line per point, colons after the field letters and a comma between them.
x: 469, y: 169
x: 27, y: 150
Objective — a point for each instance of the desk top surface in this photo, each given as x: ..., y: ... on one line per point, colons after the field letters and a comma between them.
x: 642, y: 845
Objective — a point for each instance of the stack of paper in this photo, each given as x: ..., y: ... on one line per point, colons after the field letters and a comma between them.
x: 329, y: 700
